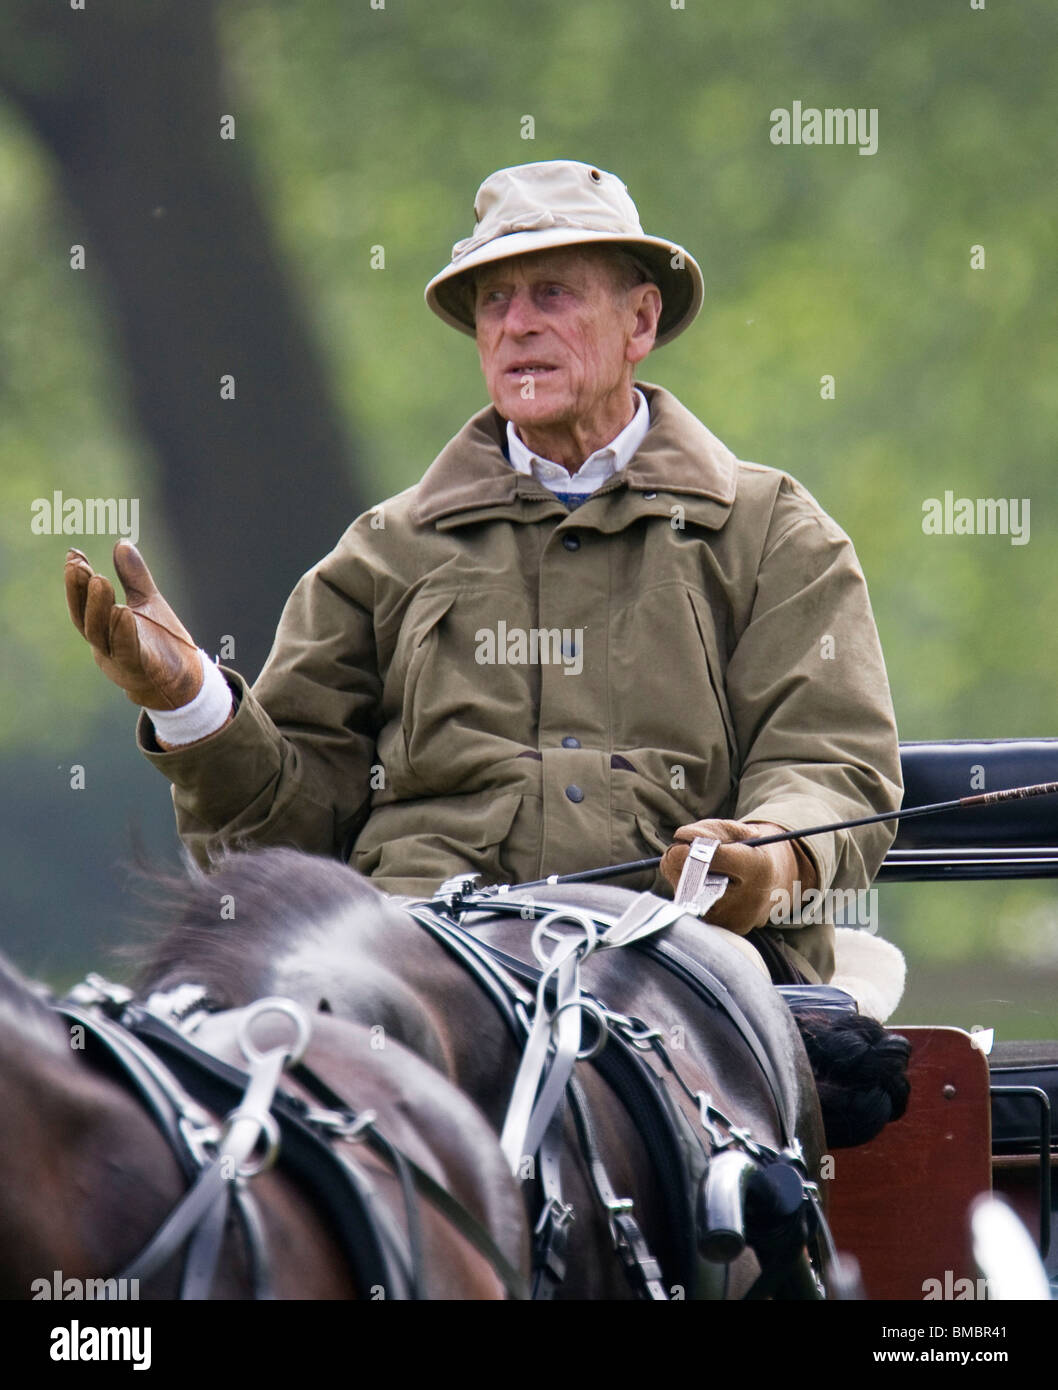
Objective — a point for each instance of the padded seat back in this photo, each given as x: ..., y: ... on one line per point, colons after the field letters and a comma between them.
x: 965, y: 767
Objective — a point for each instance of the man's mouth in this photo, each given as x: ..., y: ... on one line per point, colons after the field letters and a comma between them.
x: 530, y: 369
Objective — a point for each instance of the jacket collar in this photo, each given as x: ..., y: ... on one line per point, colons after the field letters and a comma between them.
x: 471, y: 478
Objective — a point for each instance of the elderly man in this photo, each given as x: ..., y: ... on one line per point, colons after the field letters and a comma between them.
x: 588, y: 632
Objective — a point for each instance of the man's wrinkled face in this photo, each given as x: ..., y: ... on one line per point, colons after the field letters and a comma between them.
x: 555, y: 336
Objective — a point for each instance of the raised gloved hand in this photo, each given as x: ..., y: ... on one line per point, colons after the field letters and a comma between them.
x: 754, y: 872
x: 141, y: 645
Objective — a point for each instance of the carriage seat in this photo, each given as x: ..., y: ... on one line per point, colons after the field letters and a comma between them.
x: 1016, y: 839
x: 1016, y: 1119
x: 963, y: 767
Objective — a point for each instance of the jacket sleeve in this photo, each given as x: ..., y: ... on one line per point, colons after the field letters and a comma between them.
x: 810, y: 698
x: 294, y: 765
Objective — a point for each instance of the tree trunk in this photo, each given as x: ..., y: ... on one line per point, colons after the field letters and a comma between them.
x: 129, y: 95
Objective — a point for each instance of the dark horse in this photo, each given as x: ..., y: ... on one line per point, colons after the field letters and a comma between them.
x: 401, y: 1028
x: 278, y: 922
x: 89, y: 1178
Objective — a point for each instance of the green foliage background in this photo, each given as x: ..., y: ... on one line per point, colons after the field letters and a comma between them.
x: 374, y: 127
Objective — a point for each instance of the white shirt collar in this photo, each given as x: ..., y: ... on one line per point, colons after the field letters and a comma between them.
x: 596, y: 469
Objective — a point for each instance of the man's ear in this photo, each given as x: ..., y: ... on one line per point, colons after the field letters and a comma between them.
x: 645, y: 302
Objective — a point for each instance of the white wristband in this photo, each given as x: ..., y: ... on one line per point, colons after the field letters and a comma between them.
x: 204, y: 715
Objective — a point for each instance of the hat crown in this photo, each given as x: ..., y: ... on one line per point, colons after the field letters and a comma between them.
x: 561, y: 204
x: 552, y: 193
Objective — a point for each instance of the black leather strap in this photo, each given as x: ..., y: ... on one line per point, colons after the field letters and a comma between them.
x: 343, y: 1196
x: 551, y: 1237
x: 454, y: 1212
x: 641, y: 1268
x: 714, y: 992
x: 709, y: 989
x: 113, y: 1048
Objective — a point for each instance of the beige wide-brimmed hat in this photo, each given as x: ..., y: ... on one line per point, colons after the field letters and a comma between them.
x: 537, y: 207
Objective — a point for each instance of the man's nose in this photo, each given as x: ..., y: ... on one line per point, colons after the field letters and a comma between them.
x: 522, y: 314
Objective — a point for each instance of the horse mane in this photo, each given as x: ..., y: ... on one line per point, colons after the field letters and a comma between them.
x: 23, y: 1006
x: 200, y: 926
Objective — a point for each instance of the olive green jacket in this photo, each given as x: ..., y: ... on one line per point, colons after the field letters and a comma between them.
x: 476, y: 679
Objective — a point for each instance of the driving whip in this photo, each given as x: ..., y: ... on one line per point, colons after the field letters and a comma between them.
x: 960, y: 803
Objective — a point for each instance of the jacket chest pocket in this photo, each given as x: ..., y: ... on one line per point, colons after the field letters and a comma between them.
x: 672, y: 715
x: 420, y: 641
x: 667, y: 676
x: 705, y: 627
x: 449, y: 715
x: 414, y: 654
x: 412, y: 647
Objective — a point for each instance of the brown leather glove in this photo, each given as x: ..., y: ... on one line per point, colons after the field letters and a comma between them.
x: 141, y: 645
x: 753, y: 872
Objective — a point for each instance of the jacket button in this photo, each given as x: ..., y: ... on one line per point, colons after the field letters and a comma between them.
x: 570, y: 742
x: 571, y: 541
x: 574, y: 793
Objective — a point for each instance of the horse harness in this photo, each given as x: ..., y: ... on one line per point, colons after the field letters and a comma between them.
x: 705, y: 1169
x: 720, y: 1189
x: 182, y: 1086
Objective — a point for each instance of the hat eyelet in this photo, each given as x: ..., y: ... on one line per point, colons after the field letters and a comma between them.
x: 596, y: 176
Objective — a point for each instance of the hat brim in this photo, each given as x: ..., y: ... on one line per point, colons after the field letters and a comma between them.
x: 682, y: 286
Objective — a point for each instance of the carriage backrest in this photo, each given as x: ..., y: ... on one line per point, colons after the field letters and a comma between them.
x: 1017, y: 839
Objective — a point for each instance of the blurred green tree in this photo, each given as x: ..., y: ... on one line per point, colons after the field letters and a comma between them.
x: 362, y: 128
x: 131, y: 100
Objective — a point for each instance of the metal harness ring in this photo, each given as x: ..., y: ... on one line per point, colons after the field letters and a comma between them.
x: 599, y: 1014
x: 277, y: 1005
x: 267, y: 1129
x: 542, y: 928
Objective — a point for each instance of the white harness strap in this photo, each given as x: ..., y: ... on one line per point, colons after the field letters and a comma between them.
x: 526, y: 1122
x: 554, y: 1042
